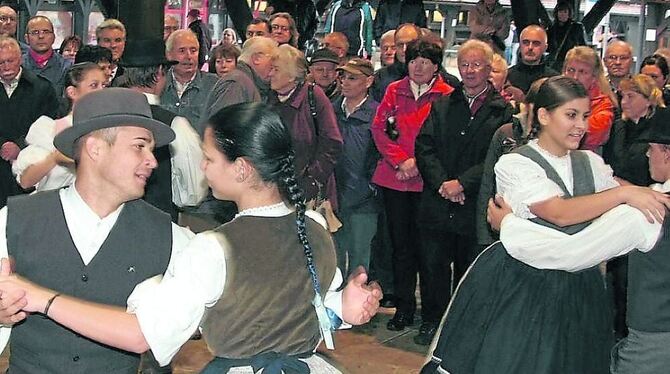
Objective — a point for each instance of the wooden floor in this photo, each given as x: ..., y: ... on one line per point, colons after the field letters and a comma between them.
x: 369, y: 349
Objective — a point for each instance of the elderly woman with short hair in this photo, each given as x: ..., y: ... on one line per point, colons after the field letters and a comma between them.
x: 316, y: 139
x: 399, y: 118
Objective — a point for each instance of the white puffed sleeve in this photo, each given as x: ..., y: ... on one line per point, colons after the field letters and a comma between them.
x: 40, y: 139
x: 603, y: 175
x: 522, y: 183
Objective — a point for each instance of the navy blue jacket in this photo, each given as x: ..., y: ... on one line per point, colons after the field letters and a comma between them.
x: 358, y: 159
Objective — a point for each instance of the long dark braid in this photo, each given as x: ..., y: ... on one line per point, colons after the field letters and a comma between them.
x: 296, y: 197
x: 258, y: 134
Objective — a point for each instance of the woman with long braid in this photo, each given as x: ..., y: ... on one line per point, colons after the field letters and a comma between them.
x: 263, y: 296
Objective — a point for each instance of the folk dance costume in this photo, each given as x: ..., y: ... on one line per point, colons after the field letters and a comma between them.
x: 509, y: 316
x: 246, y: 284
x: 57, y: 240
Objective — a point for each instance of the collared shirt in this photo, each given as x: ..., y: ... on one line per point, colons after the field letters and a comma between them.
x: 10, y: 86
x: 420, y: 89
x: 283, y: 97
x: 88, y: 232
x: 198, y: 276
x: 181, y: 87
x: 347, y: 113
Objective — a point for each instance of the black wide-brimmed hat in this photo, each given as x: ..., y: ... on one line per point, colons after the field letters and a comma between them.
x: 111, y: 107
x: 144, y: 52
x: 658, y: 130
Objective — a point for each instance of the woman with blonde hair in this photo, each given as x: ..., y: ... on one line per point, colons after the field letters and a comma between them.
x: 316, y: 138
x: 584, y: 65
x: 640, y: 100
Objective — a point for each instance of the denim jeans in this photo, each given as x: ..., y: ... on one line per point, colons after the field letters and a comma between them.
x: 354, y: 239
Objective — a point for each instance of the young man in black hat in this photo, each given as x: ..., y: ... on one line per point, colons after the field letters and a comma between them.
x: 145, y: 68
x: 91, y: 238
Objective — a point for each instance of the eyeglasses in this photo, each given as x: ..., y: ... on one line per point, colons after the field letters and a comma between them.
x: 322, y: 70
x: 615, y: 58
x: 280, y: 28
x: 7, y: 19
x: 40, y: 32
x: 476, y: 66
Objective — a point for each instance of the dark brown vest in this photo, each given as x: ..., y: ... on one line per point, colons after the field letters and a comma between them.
x: 267, y: 302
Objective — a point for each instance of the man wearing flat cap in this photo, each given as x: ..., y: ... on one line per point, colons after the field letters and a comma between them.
x: 322, y: 71
x: 359, y: 207
x: 646, y: 349
x: 95, y: 239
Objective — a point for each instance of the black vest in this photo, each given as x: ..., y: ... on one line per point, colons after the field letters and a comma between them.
x: 138, y: 247
x: 158, y: 191
x: 649, y: 286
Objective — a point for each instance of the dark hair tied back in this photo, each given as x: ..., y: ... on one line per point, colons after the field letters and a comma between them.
x: 554, y: 92
x: 256, y: 133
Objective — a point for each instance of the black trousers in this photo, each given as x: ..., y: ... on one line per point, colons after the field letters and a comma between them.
x: 439, y: 250
x: 401, y: 216
x: 381, y: 254
x: 617, y: 281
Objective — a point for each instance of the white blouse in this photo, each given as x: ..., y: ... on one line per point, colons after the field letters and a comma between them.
x: 617, y: 232
x: 40, y: 139
x: 523, y: 182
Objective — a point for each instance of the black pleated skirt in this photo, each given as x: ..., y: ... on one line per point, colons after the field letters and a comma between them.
x: 509, y: 318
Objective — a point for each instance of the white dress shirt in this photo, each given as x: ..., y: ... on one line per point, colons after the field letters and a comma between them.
x: 613, y: 234
x: 11, y: 86
x: 170, y: 311
x: 88, y: 232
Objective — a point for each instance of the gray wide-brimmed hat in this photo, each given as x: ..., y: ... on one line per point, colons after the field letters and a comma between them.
x: 111, y: 107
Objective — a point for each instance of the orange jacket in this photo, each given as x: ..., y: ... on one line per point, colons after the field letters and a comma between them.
x: 600, y: 121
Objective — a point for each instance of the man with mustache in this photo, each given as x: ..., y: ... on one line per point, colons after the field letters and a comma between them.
x: 532, y: 66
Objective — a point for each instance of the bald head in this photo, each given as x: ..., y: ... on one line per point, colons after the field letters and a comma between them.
x: 533, y: 44
x: 8, y: 21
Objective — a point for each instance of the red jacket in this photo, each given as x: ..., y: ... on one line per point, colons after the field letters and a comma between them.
x: 409, y: 117
x: 600, y: 121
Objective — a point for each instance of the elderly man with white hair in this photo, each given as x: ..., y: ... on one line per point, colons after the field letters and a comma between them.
x: 189, y: 92
x: 256, y: 62
x: 450, y: 152
x: 24, y: 97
